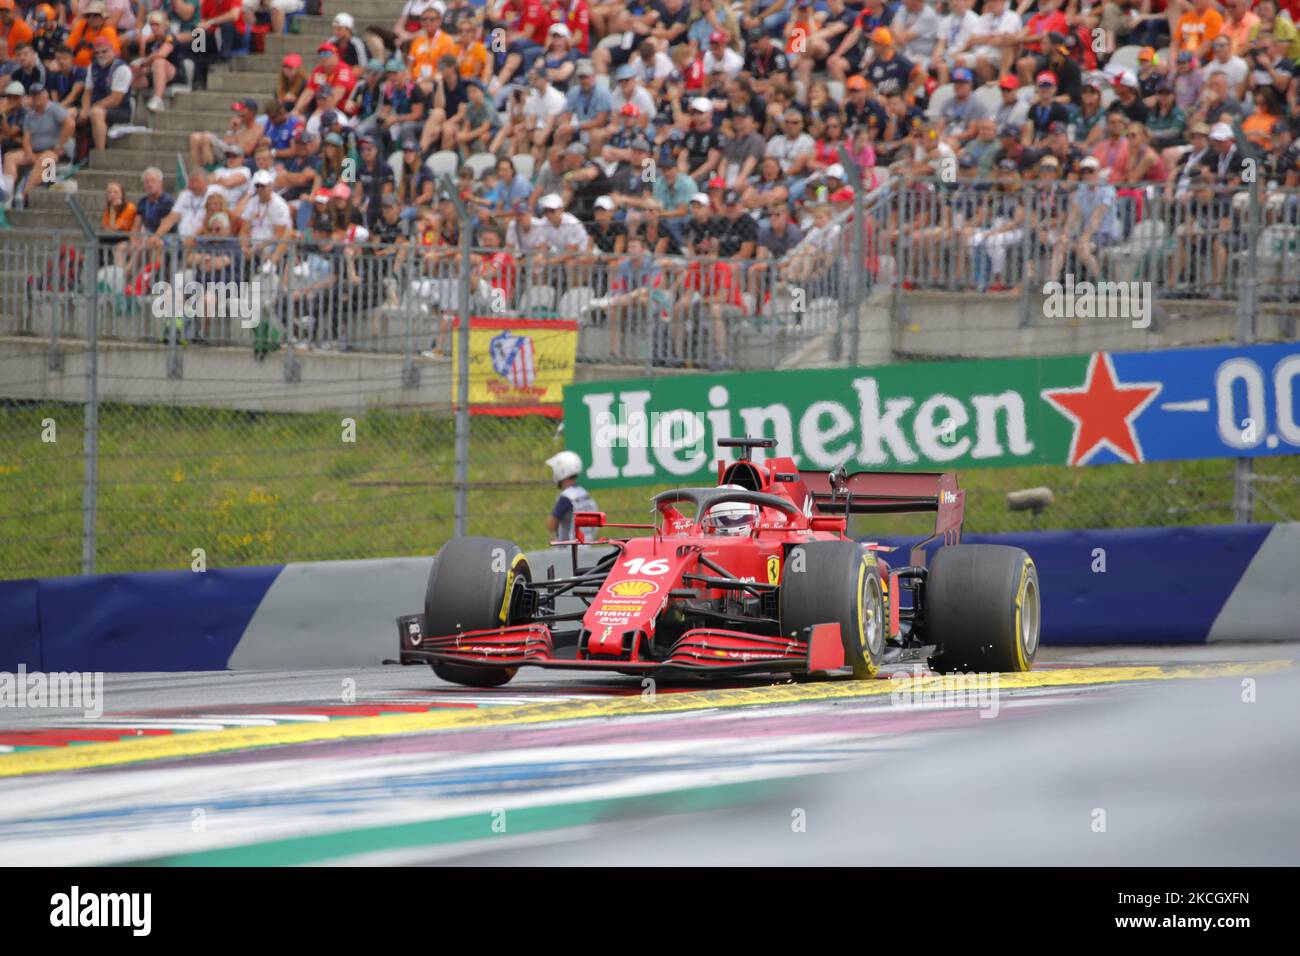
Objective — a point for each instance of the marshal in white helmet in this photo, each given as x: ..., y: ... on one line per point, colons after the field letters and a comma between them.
x: 730, y: 517
x: 565, y: 467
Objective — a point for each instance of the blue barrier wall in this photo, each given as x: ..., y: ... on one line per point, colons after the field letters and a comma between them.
x: 1160, y: 586
x: 154, y: 621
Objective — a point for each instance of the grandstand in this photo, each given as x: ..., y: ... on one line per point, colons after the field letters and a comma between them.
x: 913, y: 149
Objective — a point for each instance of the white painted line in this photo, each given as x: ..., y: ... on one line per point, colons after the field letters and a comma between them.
x: 1195, y: 405
x: 309, y: 718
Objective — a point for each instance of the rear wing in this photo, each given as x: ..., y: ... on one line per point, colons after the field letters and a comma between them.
x: 892, y: 492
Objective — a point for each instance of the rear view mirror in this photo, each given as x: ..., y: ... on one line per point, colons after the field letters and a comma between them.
x: 588, y: 519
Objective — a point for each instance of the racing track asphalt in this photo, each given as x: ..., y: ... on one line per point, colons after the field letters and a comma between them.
x: 267, y: 767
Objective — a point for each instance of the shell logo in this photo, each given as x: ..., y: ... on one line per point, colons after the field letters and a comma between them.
x: 633, y: 588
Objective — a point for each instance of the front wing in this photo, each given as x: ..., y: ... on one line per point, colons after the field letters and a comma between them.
x: 702, y: 649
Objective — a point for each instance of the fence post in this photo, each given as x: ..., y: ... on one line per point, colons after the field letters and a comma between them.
x: 90, y: 490
x: 858, y: 285
x: 462, y: 358
x: 1243, y: 472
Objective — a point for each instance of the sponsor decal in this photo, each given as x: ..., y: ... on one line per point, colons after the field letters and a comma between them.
x: 633, y: 588
x: 773, y: 569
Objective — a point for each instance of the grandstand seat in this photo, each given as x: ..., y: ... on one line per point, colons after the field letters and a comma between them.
x: 1140, y: 255
x: 822, y: 313
x: 538, y: 298
x: 573, y: 302
x: 989, y: 97
x: 1279, y: 242
x: 1127, y: 57
x: 938, y: 99
x: 395, y: 164
x: 443, y: 163
x: 523, y: 165
x: 480, y: 163
x: 836, y: 89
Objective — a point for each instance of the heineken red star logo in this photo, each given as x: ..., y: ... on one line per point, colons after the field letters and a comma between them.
x: 1102, y: 411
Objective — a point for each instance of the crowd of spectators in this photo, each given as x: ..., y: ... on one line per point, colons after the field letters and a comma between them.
x: 682, y: 159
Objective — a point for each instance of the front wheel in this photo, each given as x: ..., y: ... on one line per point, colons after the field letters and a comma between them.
x: 474, y: 585
x: 982, y: 609
x: 837, y: 582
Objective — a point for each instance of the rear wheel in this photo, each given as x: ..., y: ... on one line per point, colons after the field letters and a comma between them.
x: 982, y: 609
x: 474, y: 585
x: 836, y: 582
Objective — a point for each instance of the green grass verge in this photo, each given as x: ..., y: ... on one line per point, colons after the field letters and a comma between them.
x: 253, y: 488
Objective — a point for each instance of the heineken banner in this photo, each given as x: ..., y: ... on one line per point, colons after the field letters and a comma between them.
x: 1079, y: 410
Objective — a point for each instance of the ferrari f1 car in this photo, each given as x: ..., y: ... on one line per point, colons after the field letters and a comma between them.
x: 754, y: 575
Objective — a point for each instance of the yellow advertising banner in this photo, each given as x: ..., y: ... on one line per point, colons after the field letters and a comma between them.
x: 517, y: 366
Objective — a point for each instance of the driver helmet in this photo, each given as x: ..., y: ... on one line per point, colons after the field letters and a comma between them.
x: 731, y: 517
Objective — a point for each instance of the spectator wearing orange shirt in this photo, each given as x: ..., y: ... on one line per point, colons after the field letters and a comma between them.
x: 88, y: 28
x: 430, y: 46
x: 1197, y: 29
x: 13, y: 28
x: 471, y: 54
x: 1238, y: 24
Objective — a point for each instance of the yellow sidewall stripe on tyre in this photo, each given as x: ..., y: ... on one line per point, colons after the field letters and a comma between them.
x: 201, y: 743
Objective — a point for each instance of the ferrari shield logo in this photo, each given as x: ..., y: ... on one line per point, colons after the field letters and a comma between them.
x: 773, y: 569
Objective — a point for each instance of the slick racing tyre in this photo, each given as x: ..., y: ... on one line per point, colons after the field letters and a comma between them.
x: 836, y: 582
x: 474, y: 585
x: 982, y: 609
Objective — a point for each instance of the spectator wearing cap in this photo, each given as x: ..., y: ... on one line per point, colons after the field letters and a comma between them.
x: 1013, y: 108
x: 106, y: 101
x: 958, y: 116
x: 889, y: 71
x: 404, y: 107
x: 990, y: 49
x: 1167, y: 121
x: 374, y: 179
x: 352, y: 49
x: 629, y: 188
x: 47, y: 130
x: 1225, y: 61
x: 628, y: 125
x: 233, y: 177
x: 1067, y: 155
x: 1091, y: 224
x: 1045, y: 109
x: 1188, y: 81
x: 1087, y: 121
x: 329, y: 85
x: 1056, y: 59
x: 608, y: 235
x: 765, y: 61
x: 563, y: 237
x: 860, y: 110
x: 699, y: 225
x: 91, y: 25
x: 587, y: 108
x: 1128, y: 98
x: 955, y: 30
x: 1185, y: 161
x: 583, y: 180
x: 266, y: 220
x: 702, y: 142
x: 1149, y: 73
x: 1010, y: 144
x: 1196, y: 29
x: 409, y: 24
x: 430, y: 45
x: 48, y: 33
x: 208, y: 149
x: 559, y: 58
x: 1224, y: 158
x: 415, y: 185
x: 12, y: 114
x: 999, y: 226
x: 721, y: 58
x: 290, y: 81
x: 279, y: 128
x: 628, y: 89
x: 736, y: 229
x: 672, y: 192
x: 742, y: 150
x: 366, y: 98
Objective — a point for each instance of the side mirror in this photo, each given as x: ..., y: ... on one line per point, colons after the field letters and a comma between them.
x: 588, y: 519
x: 834, y: 523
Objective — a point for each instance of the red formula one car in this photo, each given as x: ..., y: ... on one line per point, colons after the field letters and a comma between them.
x: 755, y: 575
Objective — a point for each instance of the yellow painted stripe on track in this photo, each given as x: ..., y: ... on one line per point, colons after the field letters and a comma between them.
x: 137, y: 749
